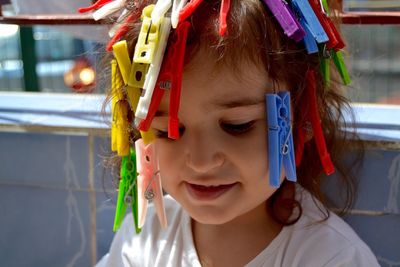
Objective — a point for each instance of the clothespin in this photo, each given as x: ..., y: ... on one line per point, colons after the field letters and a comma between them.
x: 188, y: 10
x: 119, y: 113
x: 96, y: 5
x: 161, y: 7
x: 121, y: 125
x: 325, y: 6
x: 225, y: 6
x: 114, y: 28
x: 286, y: 19
x: 309, y: 42
x: 148, y: 38
x: 122, y: 30
x: 152, y: 74
x: 314, y: 117
x: 304, y: 11
x: 177, y: 6
x: 149, y: 182
x: 126, y: 68
x: 127, y: 191
x: 341, y: 67
x: 121, y: 54
x: 108, y: 9
x: 335, y: 41
x: 299, y: 143
x: 280, y: 138
x: 170, y: 78
x: 325, y: 57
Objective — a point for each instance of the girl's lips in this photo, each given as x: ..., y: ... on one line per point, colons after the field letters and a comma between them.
x: 201, y: 192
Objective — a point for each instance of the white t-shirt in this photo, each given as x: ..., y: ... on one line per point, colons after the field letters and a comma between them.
x: 307, y: 243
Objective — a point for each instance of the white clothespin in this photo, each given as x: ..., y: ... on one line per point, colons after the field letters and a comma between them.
x: 159, y: 10
x: 152, y: 74
x: 108, y: 9
x: 117, y: 24
x: 176, y: 8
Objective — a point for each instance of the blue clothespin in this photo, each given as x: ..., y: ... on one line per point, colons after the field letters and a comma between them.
x: 305, y: 12
x: 280, y: 138
x: 309, y: 41
x: 286, y: 19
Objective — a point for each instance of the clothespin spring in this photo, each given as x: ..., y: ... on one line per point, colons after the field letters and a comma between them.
x: 149, y: 193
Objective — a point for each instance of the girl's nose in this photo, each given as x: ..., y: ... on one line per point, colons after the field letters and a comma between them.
x: 203, y: 154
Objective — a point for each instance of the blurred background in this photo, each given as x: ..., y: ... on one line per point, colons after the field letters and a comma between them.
x: 57, y: 59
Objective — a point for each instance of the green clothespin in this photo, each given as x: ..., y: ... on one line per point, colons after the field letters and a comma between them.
x: 127, y: 193
x: 325, y: 70
x: 341, y: 67
x: 325, y: 56
x: 325, y: 6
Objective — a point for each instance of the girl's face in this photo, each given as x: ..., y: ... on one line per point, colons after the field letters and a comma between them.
x: 218, y: 169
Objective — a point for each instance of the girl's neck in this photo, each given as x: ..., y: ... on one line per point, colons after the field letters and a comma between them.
x: 237, y: 242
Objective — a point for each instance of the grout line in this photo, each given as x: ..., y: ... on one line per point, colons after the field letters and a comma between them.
x: 92, y: 196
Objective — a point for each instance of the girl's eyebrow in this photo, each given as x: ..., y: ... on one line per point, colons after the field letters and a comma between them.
x: 222, y: 103
x: 234, y: 103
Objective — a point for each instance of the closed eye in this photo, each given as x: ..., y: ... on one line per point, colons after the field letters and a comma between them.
x: 237, y: 129
x: 164, y: 134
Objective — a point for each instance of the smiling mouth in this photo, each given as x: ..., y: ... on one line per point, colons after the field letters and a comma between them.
x: 203, y: 192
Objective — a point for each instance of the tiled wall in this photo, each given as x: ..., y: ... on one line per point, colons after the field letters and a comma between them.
x: 57, y: 200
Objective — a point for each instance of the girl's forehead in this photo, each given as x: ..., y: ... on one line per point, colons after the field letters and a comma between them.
x: 204, y: 68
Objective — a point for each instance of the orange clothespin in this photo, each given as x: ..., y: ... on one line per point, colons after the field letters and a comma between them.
x: 149, y: 182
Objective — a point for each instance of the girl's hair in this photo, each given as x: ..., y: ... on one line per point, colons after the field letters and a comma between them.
x: 254, y: 35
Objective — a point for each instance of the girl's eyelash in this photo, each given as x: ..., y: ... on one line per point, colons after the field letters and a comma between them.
x: 160, y: 134
x: 164, y: 134
x: 237, y: 129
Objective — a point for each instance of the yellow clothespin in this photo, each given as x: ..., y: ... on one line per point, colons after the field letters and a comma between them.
x: 121, y: 54
x: 126, y: 70
x: 122, y: 109
x: 148, y: 38
x: 119, y: 113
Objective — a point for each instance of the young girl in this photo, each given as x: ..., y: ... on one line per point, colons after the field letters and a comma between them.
x: 244, y: 113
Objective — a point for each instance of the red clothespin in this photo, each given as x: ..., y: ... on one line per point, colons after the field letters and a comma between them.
x: 189, y: 9
x: 123, y: 29
x: 300, y: 139
x: 335, y: 40
x: 170, y: 77
x: 96, y: 5
x: 225, y: 6
x: 313, y: 116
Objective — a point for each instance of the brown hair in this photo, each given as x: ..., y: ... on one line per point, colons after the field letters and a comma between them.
x: 254, y: 35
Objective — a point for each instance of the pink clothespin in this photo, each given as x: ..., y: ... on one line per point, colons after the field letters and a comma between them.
x: 149, y: 182
x: 189, y: 9
x: 225, y: 6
